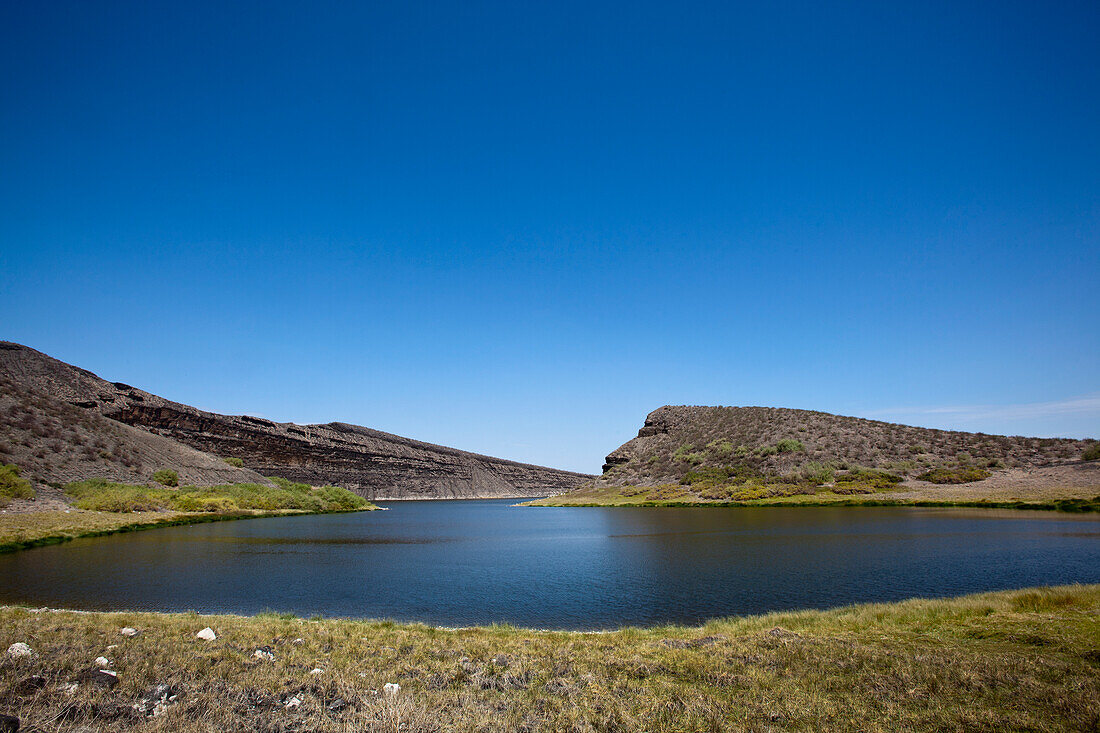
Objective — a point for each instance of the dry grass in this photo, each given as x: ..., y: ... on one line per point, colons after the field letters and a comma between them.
x: 1024, y: 660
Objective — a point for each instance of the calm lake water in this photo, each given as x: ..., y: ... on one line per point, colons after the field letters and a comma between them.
x: 470, y: 562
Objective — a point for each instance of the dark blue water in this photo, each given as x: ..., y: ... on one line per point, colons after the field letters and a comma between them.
x: 471, y: 562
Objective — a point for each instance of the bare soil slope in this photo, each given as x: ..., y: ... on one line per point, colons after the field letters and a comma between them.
x: 371, y: 463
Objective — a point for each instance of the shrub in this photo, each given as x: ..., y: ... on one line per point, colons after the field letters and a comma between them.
x: 12, y: 486
x: 234, y: 462
x: 167, y: 477
x: 105, y: 496
x: 1092, y: 453
x: 721, y: 449
x: 817, y: 473
x: 963, y: 475
x: 865, y: 478
x: 336, y: 498
x: 789, y: 445
x: 683, y: 452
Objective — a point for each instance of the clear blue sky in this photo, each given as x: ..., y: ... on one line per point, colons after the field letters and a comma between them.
x: 516, y: 228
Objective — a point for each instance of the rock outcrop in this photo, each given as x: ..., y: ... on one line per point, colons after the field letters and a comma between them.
x: 372, y: 463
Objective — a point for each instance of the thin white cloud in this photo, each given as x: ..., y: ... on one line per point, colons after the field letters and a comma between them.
x: 1083, y: 405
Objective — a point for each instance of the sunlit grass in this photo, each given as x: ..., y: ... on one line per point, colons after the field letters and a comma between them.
x: 1020, y: 660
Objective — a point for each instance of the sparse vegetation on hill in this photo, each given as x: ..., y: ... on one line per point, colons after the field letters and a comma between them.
x: 1092, y: 453
x: 106, y: 496
x: 990, y: 662
x: 777, y: 442
x: 55, y: 442
x: 752, y: 454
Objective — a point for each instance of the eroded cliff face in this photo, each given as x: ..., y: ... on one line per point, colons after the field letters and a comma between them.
x: 372, y: 463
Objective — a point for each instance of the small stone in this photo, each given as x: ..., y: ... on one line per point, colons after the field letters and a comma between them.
x: 9, y: 724
x: 100, y: 678
x: 263, y: 654
x: 337, y: 705
x: 298, y: 641
x: 293, y: 702
x: 127, y: 631
x: 19, y: 650
x: 316, y: 671
x: 112, y: 646
x: 207, y: 634
x: 390, y: 689
x: 102, y: 662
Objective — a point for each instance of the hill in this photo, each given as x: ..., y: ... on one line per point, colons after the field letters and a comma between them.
x: 59, y: 419
x: 692, y: 454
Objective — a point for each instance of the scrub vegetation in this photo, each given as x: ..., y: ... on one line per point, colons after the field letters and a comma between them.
x: 1017, y: 660
x: 103, y: 507
x: 12, y: 485
x: 106, y: 496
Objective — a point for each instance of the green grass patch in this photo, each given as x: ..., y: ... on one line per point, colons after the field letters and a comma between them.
x: 107, y: 496
x: 962, y: 475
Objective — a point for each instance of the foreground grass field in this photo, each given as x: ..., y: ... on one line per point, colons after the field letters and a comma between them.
x: 1022, y: 660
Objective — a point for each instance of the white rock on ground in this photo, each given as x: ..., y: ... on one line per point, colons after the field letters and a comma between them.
x: 102, y: 662
x: 293, y: 702
x: 207, y: 634
x: 261, y: 654
x: 316, y: 671
x: 19, y: 650
x: 391, y: 688
x: 127, y: 631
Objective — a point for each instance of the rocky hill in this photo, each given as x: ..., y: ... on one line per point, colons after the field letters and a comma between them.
x: 784, y: 442
x: 57, y: 421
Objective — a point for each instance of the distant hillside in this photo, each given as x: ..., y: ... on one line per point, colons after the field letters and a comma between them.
x: 55, y: 442
x: 783, y: 442
x: 371, y: 463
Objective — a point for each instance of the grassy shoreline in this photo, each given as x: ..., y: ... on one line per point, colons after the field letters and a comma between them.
x: 1011, y: 660
x: 39, y: 529
x: 609, y: 497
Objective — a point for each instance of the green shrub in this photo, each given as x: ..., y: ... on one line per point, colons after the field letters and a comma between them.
x: 767, y: 450
x: 167, y: 477
x: 789, y: 445
x: 817, y: 473
x: 336, y: 498
x: 683, y: 452
x: 963, y: 475
x: 105, y: 496
x: 1092, y: 453
x: 721, y: 449
x: 865, y: 478
x: 234, y: 462
x: 12, y: 486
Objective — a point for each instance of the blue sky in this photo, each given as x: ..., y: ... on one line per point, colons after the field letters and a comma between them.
x: 517, y: 228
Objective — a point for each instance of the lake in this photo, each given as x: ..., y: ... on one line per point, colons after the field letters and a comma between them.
x: 456, y: 563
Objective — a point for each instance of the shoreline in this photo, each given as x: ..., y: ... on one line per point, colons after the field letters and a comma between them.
x: 147, y: 520
x: 1075, y: 505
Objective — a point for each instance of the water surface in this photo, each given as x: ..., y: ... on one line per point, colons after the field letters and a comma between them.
x: 471, y: 562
